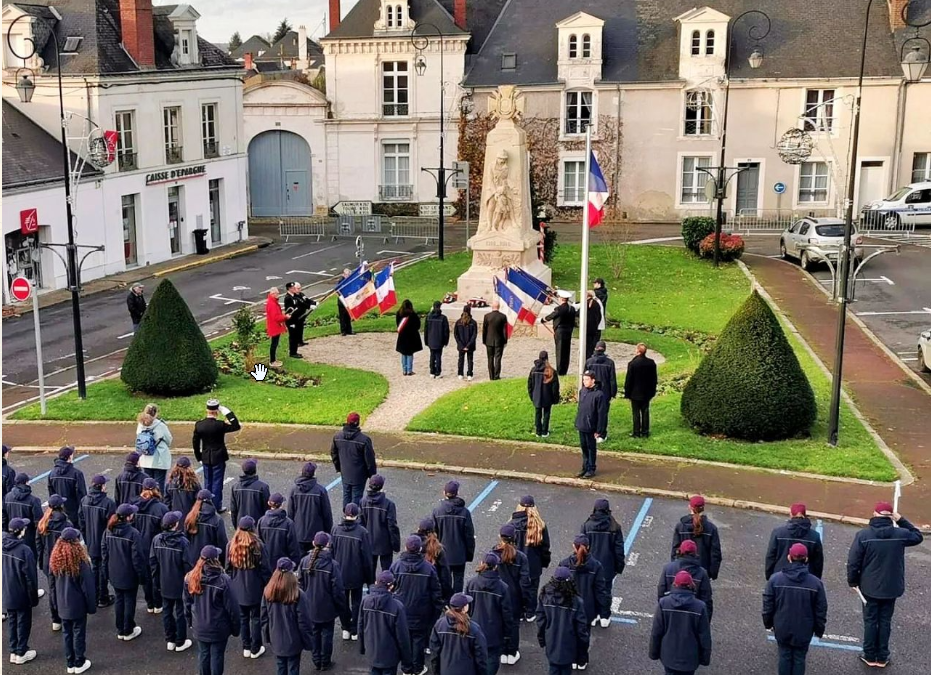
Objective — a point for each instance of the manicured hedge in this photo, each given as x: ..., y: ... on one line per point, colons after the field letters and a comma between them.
x: 694, y: 229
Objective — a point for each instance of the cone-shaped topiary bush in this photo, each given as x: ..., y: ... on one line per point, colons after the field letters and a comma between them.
x: 169, y: 356
x: 751, y: 385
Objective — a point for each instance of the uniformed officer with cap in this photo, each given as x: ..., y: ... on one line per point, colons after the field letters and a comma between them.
x: 563, y: 318
x: 209, y: 445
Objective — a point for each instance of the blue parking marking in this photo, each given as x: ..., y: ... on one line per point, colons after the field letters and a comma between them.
x: 819, y: 528
x: 635, y: 528
x: 621, y: 619
x: 336, y: 481
x: 481, y: 495
x: 46, y: 474
x: 815, y: 642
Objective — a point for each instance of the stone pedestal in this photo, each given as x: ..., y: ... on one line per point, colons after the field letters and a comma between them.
x: 453, y: 311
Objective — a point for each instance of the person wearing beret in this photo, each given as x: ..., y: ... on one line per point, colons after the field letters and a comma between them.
x: 148, y: 520
x: 491, y: 608
x: 285, y: 616
x: 322, y: 581
x: 562, y: 629
x: 589, y: 578
x: 309, y: 507
x: 515, y: 572
x: 383, y: 633
x: 533, y: 538
x: 353, y: 458
x: 21, y: 591
x: 96, y: 510
x: 203, y: 525
x: 435, y: 554
x: 681, y: 636
x: 687, y: 560
x: 21, y: 503
x: 797, y: 530
x: 699, y: 528
x: 73, y: 578
x: 67, y: 480
x: 607, y: 545
x: 169, y: 563
x: 352, y: 549
x: 417, y: 586
x: 563, y: 319
x: 457, y: 644
x: 249, y: 496
x: 183, y: 487
x: 277, y: 531
x: 605, y: 372
x: 212, y: 610
x: 456, y: 532
x: 126, y: 568
x: 380, y: 518
x: 53, y: 523
x: 209, y: 443
x: 129, y: 482
x: 249, y: 569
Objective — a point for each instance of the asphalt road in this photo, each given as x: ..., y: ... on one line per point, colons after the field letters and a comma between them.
x: 740, y: 647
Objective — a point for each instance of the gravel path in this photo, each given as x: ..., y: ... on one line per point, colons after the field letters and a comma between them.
x: 407, y: 396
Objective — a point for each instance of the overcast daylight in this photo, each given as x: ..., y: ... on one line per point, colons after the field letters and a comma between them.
x: 219, y: 19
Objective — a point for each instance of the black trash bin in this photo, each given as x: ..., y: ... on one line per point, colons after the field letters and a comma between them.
x: 200, y: 242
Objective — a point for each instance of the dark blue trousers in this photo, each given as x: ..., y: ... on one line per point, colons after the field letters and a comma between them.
x: 321, y: 640
x: 352, y: 493
x: 75, y: 634
x: 210, y: 657
x: 288, y: 665
x: 877, y: 628
x: 251, y: 630
x: 18, y: 628
x: 125, y: 610
x: 792, y: 659
x: 173, y: 620
x: 213, y: 481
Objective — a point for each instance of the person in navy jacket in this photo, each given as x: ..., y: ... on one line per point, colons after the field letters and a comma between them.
x: 183, y: 487
x: 589, y: 578
x: 9, y: 473
x: 125, y: 565
x: 249, y: 568
x: 591, y: 421
x: 322, y: 581
x: 352, y: 549
x: 456, y: 532
x: 148, y: 520
x: 457, y: 644
x: 309, y: 507
x: 797, y: 530
x: 515, y: 573
x: 380, y: 518
x: 20, y: 590
x: 795, y: 607
x: 52, y: 524
x: 67, y: 480
x: 436, y: 337
x: 286, y: 624
x: 95, y: 512
x: 212, y: 610
x: 491, y: 609
x: 203, y: 526
x: 169, y: 563
x: 73, y: 577
x: 681, y: 637
x: 533, y: 538
x: 876, y: 565
x: 607, y: 545
x: 688, y: 561
x: 383, y: 630
x: 697, y: 527
x: 249, y: 496
x: 417, y: 586
x: 562, y: 627
x: 129, y: 482
x: 435, y: 554
x: 276, y: 531
x: 21, y: 503
x: 353, y: 457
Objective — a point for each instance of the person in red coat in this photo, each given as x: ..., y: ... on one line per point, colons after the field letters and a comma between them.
x: 274, y: 324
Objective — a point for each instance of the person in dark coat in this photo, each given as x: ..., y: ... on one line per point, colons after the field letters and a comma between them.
x: 309, y: 507
x: 457, y: 644
x: 297, y: 307
x: 129, y: 482
x: 169, y: 563
x: 408, y: 342
x: 436, y: 337
x: 515, y: 573
x: 466, y: 333
x: 543, y: 390
x: 697, y: 527
x: 795, y: 607
x: 203, y: 526
x: 353, y: 458
x: 562, y: 628
x: 495, y: 339
x: 21, y: 503
x: 9, y: 473
x: 183, y: 487
x: 148, y: 520
x: 640, y: 388
x: 249, y: 496
x: 681, y: 638
x: 417, y: 586
x: 345, y: 320
x: 591, y: 421
x: 456, y: 532
x: 589, y: 578
x: 277, y: 531
x: 209, y: 443
x: 380, y: 518
x: 876, y: 565
x: 491, y: 608
x: 71, y: 572
x: 605, y: 373
x: 212, y: 610
x: 68, y: 481
x: 20, y: 590
x: 322, y: 581
x: 601, y: 292
x: 286, y: 624
x: 435, y: 554
x: 125, y: 565
x: 563, y: 320
x: 95, y: 512
x: 249, y: 569
x: 383, y: 630
x: 52, y: 524
x: 532, y: 537
x: 352, y: 549
x: 593, y: 322
x: 607, y: 545
x: 797, y: 530
x: 688, y: 561
x: 135, y: 303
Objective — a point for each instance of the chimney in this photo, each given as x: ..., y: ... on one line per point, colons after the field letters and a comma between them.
x: 459, y: 14
x: 895, y: 13
x: 138, y: 33
x: 302, y: 48
x: 334, y: 15
x: 248, y: 65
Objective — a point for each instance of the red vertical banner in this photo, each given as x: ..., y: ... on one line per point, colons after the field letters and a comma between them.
x: 110, y: 137
x: 29, y: 221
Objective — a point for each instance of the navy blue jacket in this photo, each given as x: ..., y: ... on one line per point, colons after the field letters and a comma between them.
x: 453, y: 653
x: 309, y: 508
x: 592, y: 585
x: 353, y: 455
x: 211, y: 529
x: 129, y: 484
x: 21, y: 503
x: 538, y: 556
x: 148, y: 520
x: 46, y: 542
x: 708, y: 544
x: 383, y: 631
x: 380, y: 517
x: 214, y: 614
x: 9, y: 473
x: 436, y: 330
x: 876, y: 561
x: 286, y: 628
x: 681, y: 637
x: 77, y: 596
x: 276, y: 531
x: 66, y: 480
x: 690, y: 564
x: 562, y: 628
x: 795, y: 531
x: 180, y: 500
x: 795, y: 605
x: 607, y: 543
x: 542, y: 394
x: 323, y: 585
x: 249, y: 497
x: 418, y: 587
x: 466, y: 335
x: 516, y: 575
x: 20, y: 576
x: 605, y: 373
x: 248, y: 584
x: 491, y: 607
x: 352, y: 549
x: 124, y: 561
x: 169, y: 562
x: 592, y: 415
x: 455, y: 530
x: 442, y: 570
x: 96, y: 509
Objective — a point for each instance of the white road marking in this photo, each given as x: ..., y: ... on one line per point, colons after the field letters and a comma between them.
x: 908, y: 358
x: 923, y: 310
x: 230, y: 301
x: 647, y: 521
x: 123, y: 337
x: 642, y: 615
x: 242, y: 288
x: 270, y: 278
x: 880, y: 280
x: 229, y: 479
x: 327, y: 248
x: 321, y: 273
x: 394, y: 252
x: 841, y: 638
x: 632, y: 559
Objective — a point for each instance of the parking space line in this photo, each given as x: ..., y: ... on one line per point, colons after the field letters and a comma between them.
x: 46, y: 474
x: 336, y: 481
x: 638, y: 522
x: 923, y: 310
x: 815, y: 642
x: 481, y: 496
x: 321, y: 250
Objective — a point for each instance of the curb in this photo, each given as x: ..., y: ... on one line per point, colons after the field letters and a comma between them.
x: 207, y: 261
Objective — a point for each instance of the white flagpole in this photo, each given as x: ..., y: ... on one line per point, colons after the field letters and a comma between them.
x: 583, y: 282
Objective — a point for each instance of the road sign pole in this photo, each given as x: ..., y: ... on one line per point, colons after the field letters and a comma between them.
x: 35, y: 318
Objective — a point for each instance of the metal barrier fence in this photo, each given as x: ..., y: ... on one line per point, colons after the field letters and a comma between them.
x: 412, y: 227
x: 776, y: 220
x: 304, y: 226
x: 382, y: 227
x: 884, y: 224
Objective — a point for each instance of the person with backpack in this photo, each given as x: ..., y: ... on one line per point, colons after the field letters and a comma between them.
x: 491, y: 609
x: 380, y: 517
x: 353, y: 458
x: 435, y: 554
x: 533, y: 539
x: 204, y: 526
x: 697, y: 527
x: 183, y: 487
x: 352, y: 549
x: 73, y: 577
x: 562, y: 628
x: 21, y: 591
x: 125, y: 565
x: 66, y: 480
x: 249, y: 571
x: 322, y: 581
x: 436, y: 337
x: 515, y: 572
x: 277, y: 532
x: 417, y: 586
x: 129, y: 482
x: 456, y: 532
x: 543, y: 390
x: 211, y: 609
x: 383, y: 631
x: 589, y: 578
x: 457, y: 644
x: 249, y: 496
x: 285, y: 615
x: 153, y: 443
x: 95, y: 512
x: 681, y: 636
x: 148, y: 520
x: 309, y: 507
x: 51, y: 525
x: 21, y: 503
x: 797, y: 530
x: 169, y: 564
x: 607, y: 545
x: 688, y: 561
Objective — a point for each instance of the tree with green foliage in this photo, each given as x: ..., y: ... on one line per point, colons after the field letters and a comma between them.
x: 169, y: 356
x: 235, y: 41
x: 751, y: 385
x: 283, y: 29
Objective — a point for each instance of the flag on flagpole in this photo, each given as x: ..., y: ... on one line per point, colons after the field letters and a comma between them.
x: 512, y: 306
x: 597, y: 193
x: 358, y: 292
x: 530, y: 286
x: 384, y: 289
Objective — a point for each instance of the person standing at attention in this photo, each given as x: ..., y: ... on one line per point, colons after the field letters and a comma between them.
x: 601, y: 292
x: 249, y: 570
x: 563, y: 318
x: 125, y: 564
x: 797, y: 530
x: 605, y: 373
x: 383, y: 630
x: 211, y: 610
x: 591, y: 421
x: 276, y: 530
x: 436, y: 337
x: 21, y: 591
x: 607, y: 546
x: 129, y: 482
x: 408, y: 342
x: 275, y: 325
x: 345, y: 321
x: 153, y: 443
x: 456, y: 532
x: 681, y: 638
x: 466, y: 334
x: 136, y: 304
x: 495, y: 339
x: 639, y: 389
x: 352, y: 549
x: 183, y: 487
x: 543, y: 389
x: 169, y: 563
x: 562, y: 629
x: 96, y: 509
x: 532, y: 538
x: 21, y: 503
x: 295, y: 308
x: 697, y: 527
x: 74, y: 586
x: 209, y: 445
x: 353, y: 458
x: 594, y: 324
x: 309, y: 507
x: 380, y: 518
x: 286, y: 624
x: 66, y: 480
x: 249, y: 497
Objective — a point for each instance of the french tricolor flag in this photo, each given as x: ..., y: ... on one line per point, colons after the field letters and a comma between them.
x: 384, y: 289
x: 512, y: 306
x: 358, y: 292
x: 597, y: 193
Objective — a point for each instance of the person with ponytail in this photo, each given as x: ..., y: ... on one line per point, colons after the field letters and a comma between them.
x: 491, y: 609
x: 457, y: 644
x: 533, y: 538
x: 169, y: 564
x: 129, y: 482
x: 125, y: 565
x: 435, y: 554
x: 204, y: 526
x: 51, y: 525
x: 352, y: 549
x: 380, y: 518
x: 21, y: 590
x: 417, y: 586
x: 687, y: 560
x: 286, y: 624
x: 456, y: 531
x: 95, y: 512
x: 562, y: 627
x: 383, y: 631
x: 276, y: 531
x: 322, y: 581
x: 73, y: 578
x: 589, y: 579
x: 148, y: 520
x: 697, y: 527
x: 248, y: 566
x: 543, y: 390
x: 211, y: 609
x: 515, y: 572
x: 183, y: 487
x: 607, y: 540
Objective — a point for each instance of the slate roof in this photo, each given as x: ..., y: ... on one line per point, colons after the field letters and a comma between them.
x: 809, y: 39
x: 480, y: 18
x: 253, y: 46
x: 287, y: 48
x: 360, y: 22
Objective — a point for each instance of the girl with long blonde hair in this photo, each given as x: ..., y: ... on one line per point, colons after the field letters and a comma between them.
x: 533, y: 538
x: 515, y: 572
x: 204, y: 526
x: 73, y: 579
x: 249, y: 570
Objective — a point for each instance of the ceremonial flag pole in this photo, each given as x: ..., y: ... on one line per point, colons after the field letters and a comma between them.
x: 583, y: 282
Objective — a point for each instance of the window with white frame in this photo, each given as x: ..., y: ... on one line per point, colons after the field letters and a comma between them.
x: 126, y: 140
x: 399, y: 16
x: 586, y: 46
x: 395, y: 93
x: 699, y: 113
x: 573, y: 46
x: 186, y: 42
x: 819, y: 110
x: 171, y: 120
x: 573, y: 182
x: 814, y: 182
x: 709, y: 43
x: 389, y: 16
x: 208, y: 123
x: 921, y: 167
x: 694, y: 179
x: 696, y: 43
x: 578, y: 111
x: 396, y: 171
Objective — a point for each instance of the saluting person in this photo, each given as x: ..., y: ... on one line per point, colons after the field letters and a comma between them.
x: 563, y: 319
x: 209, y: 445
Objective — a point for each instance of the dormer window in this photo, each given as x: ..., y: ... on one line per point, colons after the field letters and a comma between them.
x: 399, y: 16
x: 709, y: 43
x: 586, y: 46
x: 389, y: 16
x: 696, y: 43
x: 183, y: 20
x: 573, y: 46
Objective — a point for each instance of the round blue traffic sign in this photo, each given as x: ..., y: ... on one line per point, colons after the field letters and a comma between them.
x: 779, y: 188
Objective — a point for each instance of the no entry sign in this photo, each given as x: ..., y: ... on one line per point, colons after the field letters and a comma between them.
x: 21, y: 289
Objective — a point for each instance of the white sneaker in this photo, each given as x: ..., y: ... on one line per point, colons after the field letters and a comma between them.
x: 460, y: 377
x: 426, y: 651
x: 258, y: 653
x: 575, y: 666
x: 137, y: 631
x: 83, y: 668
x: 25, y: 658
x: 119, y: 636
x: 70, y: 669
x: 513, y: 659
x: 605, y: 622
x: 546, y: 435
x: 345, y: 634
x: 440, y: 376
x: 157, y: 610
x: 595, y: 622
x: 41, y: 592
x: 171, y: 646
x: 12, y: 658
x: 56, y: 626
x: 355, y: 638
x: 469, y: 378
x: 583, y: 667
x: 504, y: 659
x: 247, y: 653
x: 424, y: 671
x: 185, y: 645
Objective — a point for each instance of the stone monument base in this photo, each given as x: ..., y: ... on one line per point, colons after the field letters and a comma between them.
x: 491, y: 255
x: 453, y: 311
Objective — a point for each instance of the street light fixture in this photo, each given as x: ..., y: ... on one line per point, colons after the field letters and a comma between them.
x: 756, y: 58
x: 25, y: 87
x: 915, y: 63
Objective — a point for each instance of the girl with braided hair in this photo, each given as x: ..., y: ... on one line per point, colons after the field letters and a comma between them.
x: 562, y: 626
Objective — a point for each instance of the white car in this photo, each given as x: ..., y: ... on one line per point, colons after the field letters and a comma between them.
x: 817, y: 232
x: 907, y: 207
x: 924, y: 351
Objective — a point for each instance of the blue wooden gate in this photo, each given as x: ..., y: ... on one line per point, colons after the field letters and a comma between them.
x: 280, y: 175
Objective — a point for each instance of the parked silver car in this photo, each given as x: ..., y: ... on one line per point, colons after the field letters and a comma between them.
x: 824, y: 233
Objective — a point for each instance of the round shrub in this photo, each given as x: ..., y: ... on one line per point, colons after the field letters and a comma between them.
x: 694, y: 229
x: 732, y: 247
x: 750, y: 385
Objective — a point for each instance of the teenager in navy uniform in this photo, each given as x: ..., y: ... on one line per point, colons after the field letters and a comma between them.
x: 681, y: 637
x: 211, y: 609
x: 607, y: 545
x: 286, y: 625
x: 73, y: 577
x: 183, y: 487
x: 797, y: 530
x: 148, y: 520
x: 435, y: 554
x: 515, y: 572
x: 456, y: 532
x: 491, y: 608
x: 605, y: 372
x: 533, y: 538
x: 276, y: 531
x: 697, y: 527
x: 169, y: 563
x: 20, y: 590
x: 380, y: 518
x: 352, y: 549
x: 52, y: 524
x: 249, y: 496
x: 203, y: 526
x: 249, y: 569
x: 687, y: 560
x: 125, y: 565
x: 383, y: 632
x: 353, y: 458
x: 457, y: 644
x: 67, y: 480
x: 436, y: 337
x: 21, y: 503
x: 562, y: 628
x: 309, y: 507
x: 9, y: 473
x: 129, y: 482
x: 417, y: 586
x: 589, y: 578
x: 591, y: 421
x: 322, y: 581
x: 95, y: 512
